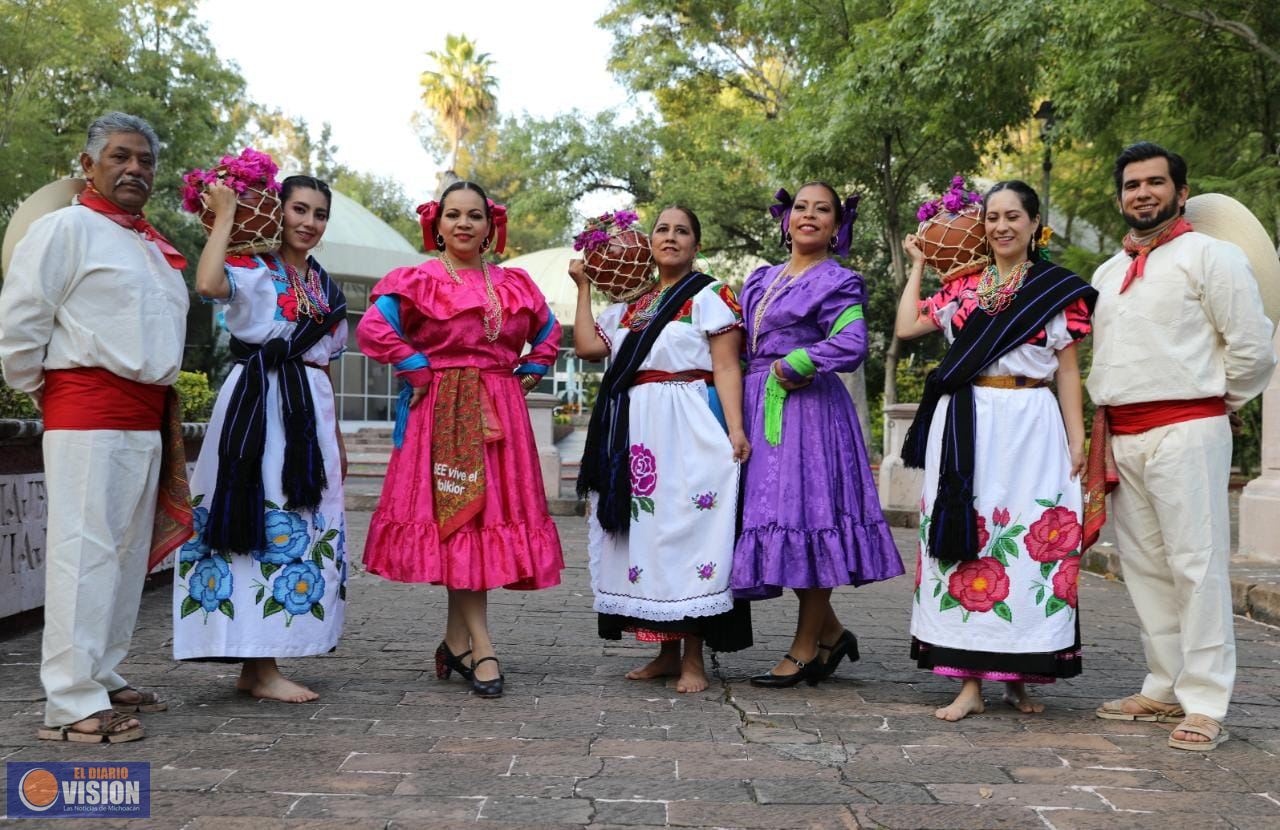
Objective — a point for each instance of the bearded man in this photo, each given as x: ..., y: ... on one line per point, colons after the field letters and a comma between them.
x: 1179, y: 341
x: 92, y: 323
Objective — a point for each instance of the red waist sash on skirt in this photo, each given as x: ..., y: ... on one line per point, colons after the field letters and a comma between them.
x: 687, y: 376
x: 1137, y: 418
x: 93, y: 398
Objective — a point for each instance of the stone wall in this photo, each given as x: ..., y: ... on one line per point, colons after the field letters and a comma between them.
x: 24, y: 513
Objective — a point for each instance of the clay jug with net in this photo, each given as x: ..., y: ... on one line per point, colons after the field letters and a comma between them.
x: 257, y: 224
x: 622, y: 268
x: 955, y: 244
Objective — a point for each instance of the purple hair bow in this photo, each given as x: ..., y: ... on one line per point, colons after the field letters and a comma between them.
x: 781, y: 210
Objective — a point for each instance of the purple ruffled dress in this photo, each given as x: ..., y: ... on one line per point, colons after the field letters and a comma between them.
x: 811, y: 514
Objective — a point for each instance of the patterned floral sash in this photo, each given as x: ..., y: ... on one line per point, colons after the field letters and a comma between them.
x: 464, y: 421
x: 174, y: 519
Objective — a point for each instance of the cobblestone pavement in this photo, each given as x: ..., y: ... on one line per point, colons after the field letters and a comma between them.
x: 572, y: 743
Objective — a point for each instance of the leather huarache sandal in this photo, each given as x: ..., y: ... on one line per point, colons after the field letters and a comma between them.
x: 108, y: 730
x: 1152, y: 710
x: 147, y: 701
x: 1199, y: 725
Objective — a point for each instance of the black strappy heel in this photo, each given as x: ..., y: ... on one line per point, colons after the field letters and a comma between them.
x: 845, y: 646
x: 810, y: 672
x: 447, y: 663
x: 486, y: 688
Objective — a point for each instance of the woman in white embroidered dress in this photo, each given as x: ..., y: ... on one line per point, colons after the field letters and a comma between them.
x: 1010, y: 615
x: 288, y: 599
x: 665, y: 577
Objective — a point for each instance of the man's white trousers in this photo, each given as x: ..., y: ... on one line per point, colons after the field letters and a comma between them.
x: 101, y: 488
x: 1174, y: 533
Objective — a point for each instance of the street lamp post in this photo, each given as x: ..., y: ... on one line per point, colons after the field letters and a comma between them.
x: 1045, y: 116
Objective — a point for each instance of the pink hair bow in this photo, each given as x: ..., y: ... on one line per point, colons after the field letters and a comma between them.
x: 498, y: 216
x: 427, y: 213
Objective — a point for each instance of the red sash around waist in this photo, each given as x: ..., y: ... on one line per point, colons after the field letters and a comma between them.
x: 93, y: 398
x: 688, y: 376
x: 1136, y: 418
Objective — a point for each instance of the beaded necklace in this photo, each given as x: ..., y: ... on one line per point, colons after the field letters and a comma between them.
x: 493, y: 311
x: 770, y: 295
x: 994, y: 293
x: 306, y: 290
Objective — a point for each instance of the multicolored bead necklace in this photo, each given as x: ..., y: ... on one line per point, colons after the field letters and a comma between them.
x: 307, y: 291
x: 493, y: 308
x: 994, y: 293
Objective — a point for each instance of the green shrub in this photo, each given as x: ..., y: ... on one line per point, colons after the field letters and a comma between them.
x: 1247, y: 441
x: 15, y: 404
x: 196, y: 396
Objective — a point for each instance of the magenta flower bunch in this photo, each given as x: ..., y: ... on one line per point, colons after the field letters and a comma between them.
x: 251, y: 169
x: 956, y: 199
x: 598, y: 230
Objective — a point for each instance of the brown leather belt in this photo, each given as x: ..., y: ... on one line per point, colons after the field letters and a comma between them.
x: 1010, y: 382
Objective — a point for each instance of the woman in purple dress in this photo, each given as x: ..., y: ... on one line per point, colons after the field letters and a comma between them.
x: 811, y: 515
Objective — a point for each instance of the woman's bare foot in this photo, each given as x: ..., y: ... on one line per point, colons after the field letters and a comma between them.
x: 693, y: 673
x: 261, y: 678
x: 968, y: 702
x: 248, y: 676
x: 666, y: 664
x: 1015, y: 694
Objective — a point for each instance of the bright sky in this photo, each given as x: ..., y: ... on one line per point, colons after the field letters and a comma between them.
x: 356, y: 65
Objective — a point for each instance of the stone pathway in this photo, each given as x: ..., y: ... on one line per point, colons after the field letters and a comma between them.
x: 572, y: 743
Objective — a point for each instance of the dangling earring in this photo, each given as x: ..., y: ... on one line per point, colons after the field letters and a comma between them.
x: 835, y: 240
x: 786, y: 239
x: 484, y: 246
x: 440, y: 242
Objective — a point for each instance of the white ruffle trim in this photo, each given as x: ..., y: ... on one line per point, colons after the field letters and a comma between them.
x: 660, y: 611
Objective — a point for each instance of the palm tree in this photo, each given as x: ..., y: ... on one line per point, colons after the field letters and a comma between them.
x: 460, y: 91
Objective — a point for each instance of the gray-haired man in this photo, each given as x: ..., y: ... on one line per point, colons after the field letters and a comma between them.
x: 92, y: 324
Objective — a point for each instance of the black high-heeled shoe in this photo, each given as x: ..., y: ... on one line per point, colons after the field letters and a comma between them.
x: 845, y: 646
x: 447, y: 663
x: 486, y: 688
x: 810, y: 672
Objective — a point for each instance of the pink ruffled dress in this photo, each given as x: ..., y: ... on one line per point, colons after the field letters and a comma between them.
x: 420, y: 321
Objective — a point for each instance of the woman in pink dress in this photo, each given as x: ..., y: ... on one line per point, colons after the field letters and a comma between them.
x: 463, y: 504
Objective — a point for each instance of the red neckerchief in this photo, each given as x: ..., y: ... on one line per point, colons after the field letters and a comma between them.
x: 1139, y: 253
x: 98, y: 203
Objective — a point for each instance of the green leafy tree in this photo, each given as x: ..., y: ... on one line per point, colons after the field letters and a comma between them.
x: 888, y: 99
x: 65, y: 63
